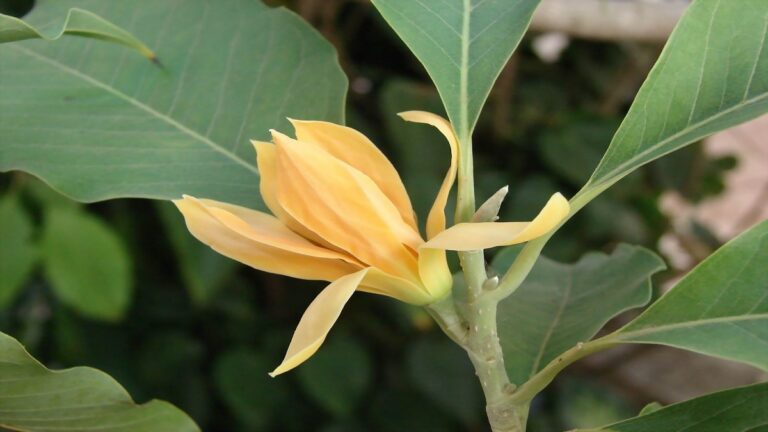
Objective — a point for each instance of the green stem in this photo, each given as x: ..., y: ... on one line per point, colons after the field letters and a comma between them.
x: 544, y: 377
x: 478, y: 333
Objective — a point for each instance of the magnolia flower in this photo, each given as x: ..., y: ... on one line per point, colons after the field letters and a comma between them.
x: 340, y: 213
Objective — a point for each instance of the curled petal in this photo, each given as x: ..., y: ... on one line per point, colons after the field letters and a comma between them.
x: 318, y: 319
x: 357, y: 150
x: 436, y: 218
x: 260, y: 241
x: 483, y: 235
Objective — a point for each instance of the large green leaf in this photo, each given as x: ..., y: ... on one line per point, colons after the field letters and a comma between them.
x: 18, y: 253
x: 78, y: 22
x: 736, y: 410
x: 713, y: 74
x: 720, y: 308
x: 99, y: 122
x: 87, y: 264
x: 560, y: 305
x: 37, y: 399
x: 463, y: 44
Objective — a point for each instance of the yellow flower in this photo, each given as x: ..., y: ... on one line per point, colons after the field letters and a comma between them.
x: 340, y: 213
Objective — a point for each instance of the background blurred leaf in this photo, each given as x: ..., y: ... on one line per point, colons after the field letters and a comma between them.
x: 463, y: 44
x: 737, y: 410
x: 442, y: 371
x: 78, y: 22
x: 248, y: 391
x: 87, y: 264
x: 713, y: 74
x: 119, y: 126
x: 38, y: 399
x: 204, y: 271
x: 337, y: 376
x: 18, y: 252
x: 720, y: 308
x: 400, y: 410
x: 560, y: 305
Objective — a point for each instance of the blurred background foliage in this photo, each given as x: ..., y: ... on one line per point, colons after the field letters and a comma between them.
x: 122, y: 286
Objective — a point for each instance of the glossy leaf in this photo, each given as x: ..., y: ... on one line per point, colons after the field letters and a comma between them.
x: 37, y: 399
x: 736, y: 410
x: 78, y: 22
x: 18, y: 252
x: 87, y: 264
x: 720, y: 308
x: 712, y: 74
x: 560, y: 305
x: 119, y: 126
x: 463, y: 44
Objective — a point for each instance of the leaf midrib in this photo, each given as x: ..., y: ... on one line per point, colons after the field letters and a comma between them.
x: 135, y: 102
x: 625, y: 336
x: 464, y: 72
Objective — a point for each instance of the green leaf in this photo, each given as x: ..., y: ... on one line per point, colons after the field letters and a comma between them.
x: 18, y: 253
x: 78, y: 22
x: 38, y: 399
x: 712, y: 74
x: 442, y: 371
x: 463, y: 44
x: 735, y: 410
x: 87, y: 264
x: 560, y: 305
x: 204, y: 271
x: 720, y: 308
x: 337, y: 376
x: 118, y: 126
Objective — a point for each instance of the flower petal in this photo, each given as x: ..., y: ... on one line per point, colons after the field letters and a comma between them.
x: 279, y: 251
x: 267, y: 229
x: 483, y: 235
x: 318, y: 319
x: 344, y: 207
x: 266, y: 157
x: 436, y: 218
x: 357, y: 150
x: 435, y: 273
x: 379, y: 282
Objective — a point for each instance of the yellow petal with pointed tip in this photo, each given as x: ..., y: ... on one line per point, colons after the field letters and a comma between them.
x: 318, y: 319
x: 267, y: 229
x: 344, y: 207
x: 261, y: 253
x: 436, y: 218
x: 483, y: 235
x: 433, y: 266
x: 357, y: 150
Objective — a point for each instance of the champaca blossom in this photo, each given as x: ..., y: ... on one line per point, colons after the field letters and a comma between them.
x: 340, y: 213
